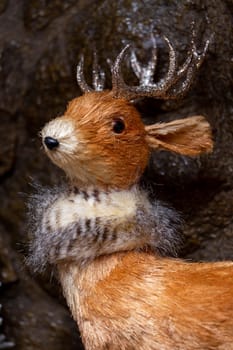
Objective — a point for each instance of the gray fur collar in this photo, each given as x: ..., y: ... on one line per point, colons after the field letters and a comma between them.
x: 73, y: 225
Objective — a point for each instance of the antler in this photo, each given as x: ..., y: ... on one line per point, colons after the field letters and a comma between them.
x: 145, y: 74
x: 170, y: 87
x: 97, y: 79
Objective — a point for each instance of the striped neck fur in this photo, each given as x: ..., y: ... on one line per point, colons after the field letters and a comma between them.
x: 72, y: 224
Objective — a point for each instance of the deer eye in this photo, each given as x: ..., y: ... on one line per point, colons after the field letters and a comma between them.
x: 118, y: 126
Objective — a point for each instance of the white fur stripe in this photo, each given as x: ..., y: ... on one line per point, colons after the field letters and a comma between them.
x: 118, y: 205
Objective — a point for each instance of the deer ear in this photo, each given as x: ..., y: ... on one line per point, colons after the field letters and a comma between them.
x: 190, y: 136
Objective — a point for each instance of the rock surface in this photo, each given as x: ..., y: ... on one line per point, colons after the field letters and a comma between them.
x: 40, y: 42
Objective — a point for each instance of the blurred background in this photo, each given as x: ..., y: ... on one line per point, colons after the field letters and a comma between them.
x: 40, y: 45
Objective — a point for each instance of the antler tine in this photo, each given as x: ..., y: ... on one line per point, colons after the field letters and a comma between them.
x: 80, y: 77
x: 200, y: 57
x: 153, y: 62
x: 135, y: 65
x: 119, y: 88
x: 145, y: 74
x: 192, y: 63
x: 165, y: 83
x: 98, y: 75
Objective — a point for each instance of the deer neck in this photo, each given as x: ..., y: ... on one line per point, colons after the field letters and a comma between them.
x: 79, y: 282
x: 76, y: 225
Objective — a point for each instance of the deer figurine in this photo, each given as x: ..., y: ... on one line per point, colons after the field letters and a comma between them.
x: 108, y: 241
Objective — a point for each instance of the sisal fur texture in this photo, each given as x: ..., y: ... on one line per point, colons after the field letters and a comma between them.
x: 72, y: 225
x: 138, y: 300
x: 106, y: 238
x: 92, y: 154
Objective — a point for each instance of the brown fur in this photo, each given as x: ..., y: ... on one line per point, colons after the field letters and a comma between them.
x: 139, y: 301
x: 129, y: 301
x: 109, y: 160
x: 190, y: 136
x: 118, y: 159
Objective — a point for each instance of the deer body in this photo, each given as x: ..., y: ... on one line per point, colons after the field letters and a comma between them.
x: 141, y: 301
x: 105, y: 236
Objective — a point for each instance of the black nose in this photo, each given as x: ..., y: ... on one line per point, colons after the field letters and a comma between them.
x: 50, y: 142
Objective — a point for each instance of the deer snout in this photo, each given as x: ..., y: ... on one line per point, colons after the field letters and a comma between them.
x: 50, y: 142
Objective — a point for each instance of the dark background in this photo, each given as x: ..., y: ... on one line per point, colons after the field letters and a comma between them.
x: 40, y: 43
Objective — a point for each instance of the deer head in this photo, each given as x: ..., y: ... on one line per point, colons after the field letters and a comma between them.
x: 101, y: 140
